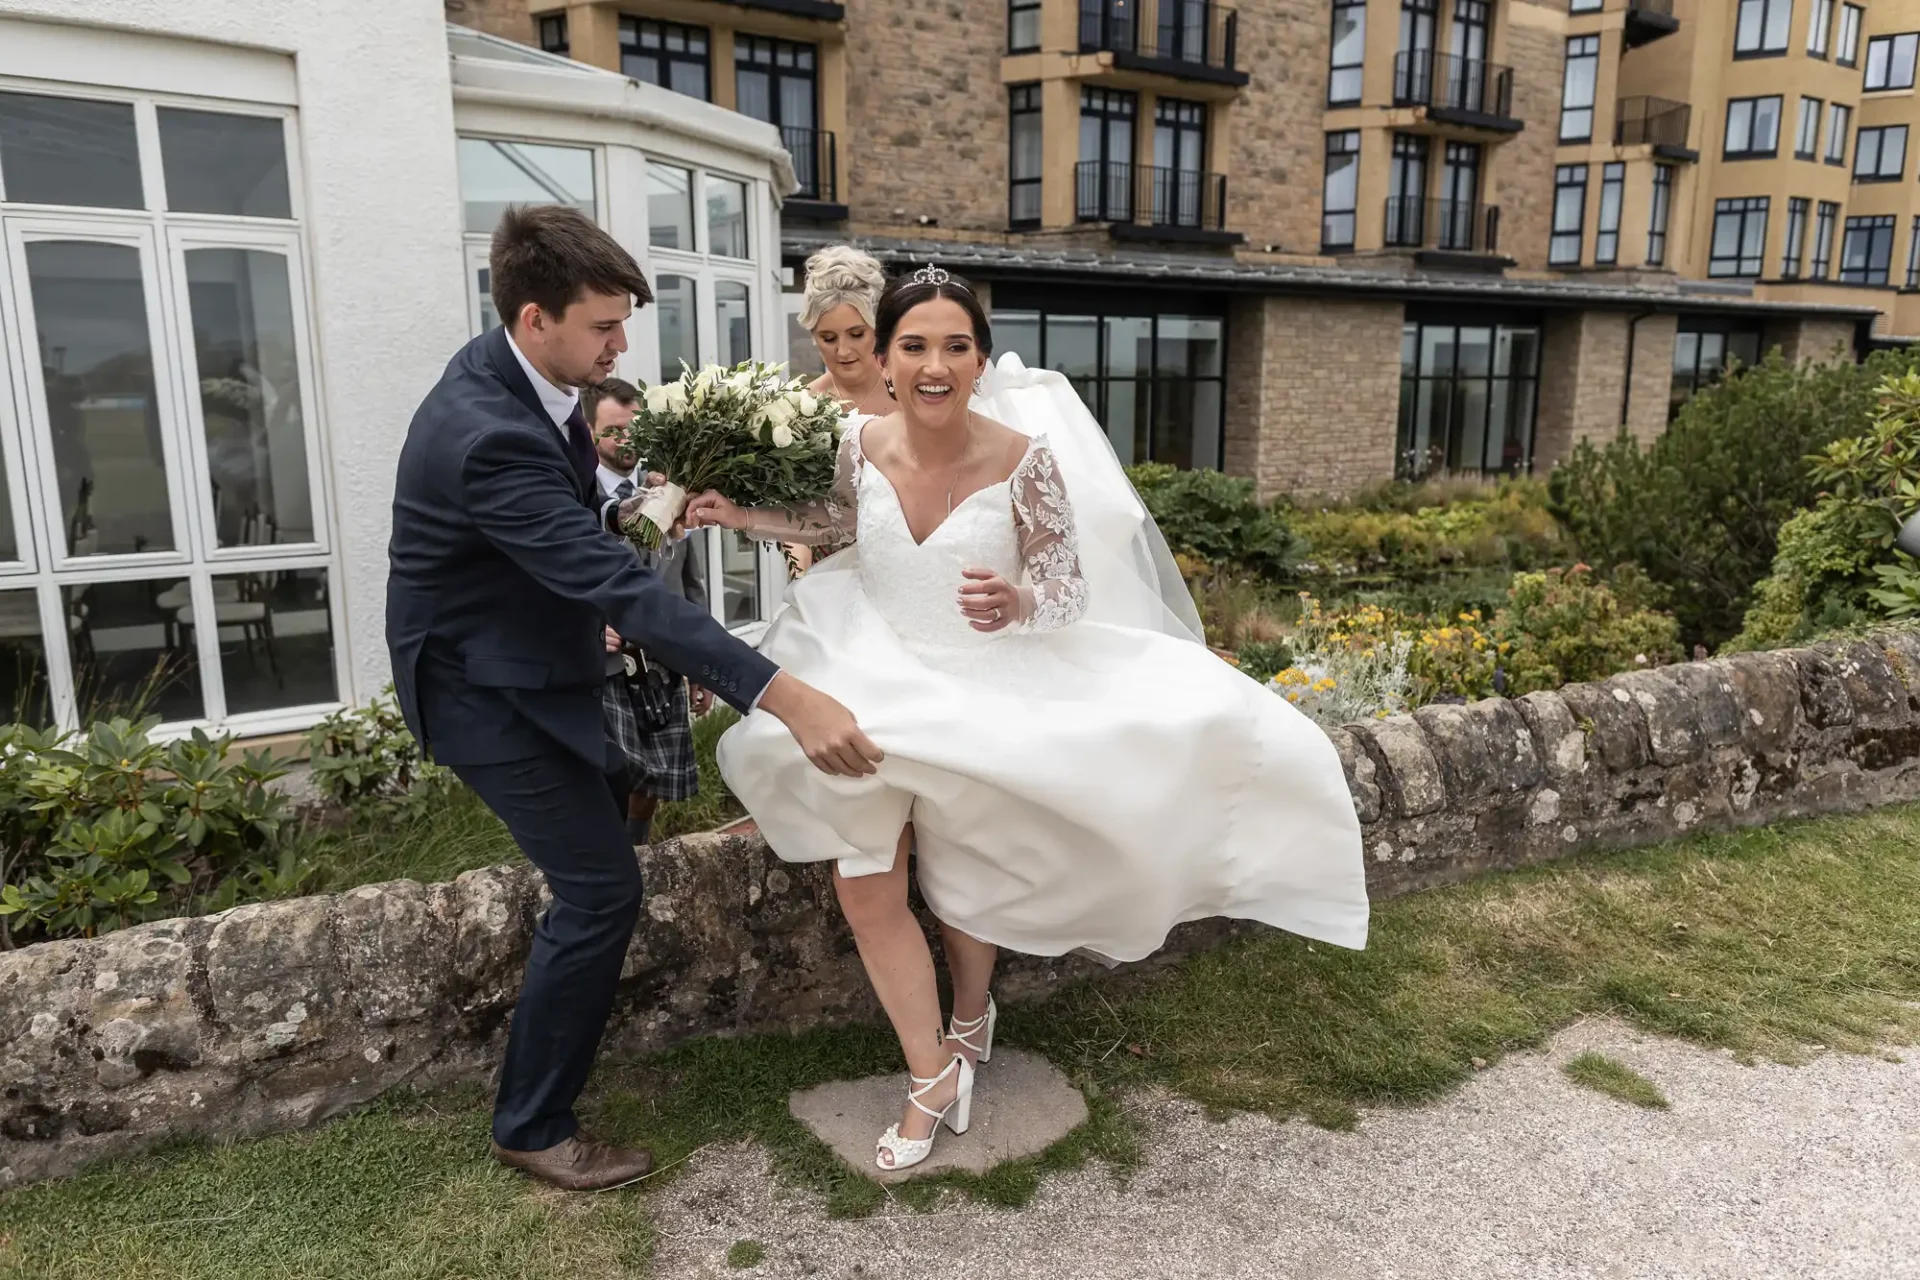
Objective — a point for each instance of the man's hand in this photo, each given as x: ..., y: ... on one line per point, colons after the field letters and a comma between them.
x: 825, y: 730
x: 613, y: 640
x: 699, y: 700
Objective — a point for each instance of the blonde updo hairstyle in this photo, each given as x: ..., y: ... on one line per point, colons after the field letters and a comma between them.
x: 841, y: 274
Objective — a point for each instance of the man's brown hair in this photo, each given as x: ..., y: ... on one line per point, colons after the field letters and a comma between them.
x: 617, y: 389
x: 549, y: 253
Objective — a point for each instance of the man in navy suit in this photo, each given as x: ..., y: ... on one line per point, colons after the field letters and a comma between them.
x: 503, y: 574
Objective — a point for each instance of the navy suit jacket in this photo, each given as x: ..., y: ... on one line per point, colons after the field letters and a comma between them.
x: 500, y: 578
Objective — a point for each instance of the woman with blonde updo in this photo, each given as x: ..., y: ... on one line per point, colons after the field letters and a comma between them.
x: 843, y: 287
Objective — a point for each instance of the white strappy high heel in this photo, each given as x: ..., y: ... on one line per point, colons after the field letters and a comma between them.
x: 908, y: 1152
x: 965, y: 1032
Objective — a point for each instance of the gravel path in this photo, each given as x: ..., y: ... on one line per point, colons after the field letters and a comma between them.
x: 1755, y: 1172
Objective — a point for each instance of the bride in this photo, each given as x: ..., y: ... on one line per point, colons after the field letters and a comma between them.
x: 1071, y: 767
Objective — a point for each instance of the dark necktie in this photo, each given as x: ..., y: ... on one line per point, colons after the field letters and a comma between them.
x: 580, y: 448
x: 623, y: 490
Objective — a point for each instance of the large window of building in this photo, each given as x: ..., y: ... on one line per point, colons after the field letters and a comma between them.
x: 553, y: 34
x: 163, y: 514
x: 1890, y: 61
x: 670, y: 54
x: 1702, y: 350
x: 1659, y: 211
x: 1880, y: 155
x: 1606, y: 240
x: 1852, y: 17
x: 1913, y: 255
x: 1753, y: 127
x: 1025, y: 156
x: 1739, y: 236
x: 1576, y: 94
x: 1105, y: 186
x: 1341, y: 190
x: 1866, y: 252
x: 1154, y: 376
x: 1467, y: 397
x: 1839, y: 121
x: 777, y: 81
x: 1023, y: 26
x: 1569, y: 214
x: 1760, y: 28
x: 1806, y: 138
x: 1793, y: 254
x: 1819, y: 27
x: 1347, y: 70
x: 1826, y: 218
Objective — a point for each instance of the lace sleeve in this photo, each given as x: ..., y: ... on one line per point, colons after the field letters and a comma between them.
x: 1055, y: 594
x: 833, y: 522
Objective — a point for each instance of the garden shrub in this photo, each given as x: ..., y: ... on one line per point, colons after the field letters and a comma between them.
x: 99, y: 834
x: 1567, y: 626
x: 1837, y: 566
x: 1701, y: 510
x: 1216, y: 518
x: 366, y: 756
x: 1503, y: 527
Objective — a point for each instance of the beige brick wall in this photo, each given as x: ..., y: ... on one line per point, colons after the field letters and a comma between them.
x: 1813, y: 340
x: 1652, y: 377
x: 1583, y: 371
x: 508, y: 19
x: 1277, y: 138
x: 927, y: 116
x: 1313, y: 393
x: 1521, y: 168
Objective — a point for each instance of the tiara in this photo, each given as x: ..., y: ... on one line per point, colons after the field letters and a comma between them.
x: 931, y: 274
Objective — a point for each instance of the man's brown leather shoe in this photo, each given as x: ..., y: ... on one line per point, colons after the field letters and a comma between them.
x: 581, y: 1163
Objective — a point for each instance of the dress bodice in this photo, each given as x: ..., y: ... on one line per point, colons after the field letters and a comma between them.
x: 916, y: 586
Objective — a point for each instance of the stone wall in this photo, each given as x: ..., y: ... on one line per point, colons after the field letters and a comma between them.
x: 277, y: 1015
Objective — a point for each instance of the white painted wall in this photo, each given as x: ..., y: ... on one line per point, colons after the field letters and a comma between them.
x: 376, y: 136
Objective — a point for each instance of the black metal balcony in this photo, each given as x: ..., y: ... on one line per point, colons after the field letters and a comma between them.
x: 1146, y: 202
x: 1647, y: 21
x: 816, y: 168
x: 821, y: 9
x: 1191, y: 39
x: 1660, y: 123
x: 1450, y: 226
x: 1454, y: 90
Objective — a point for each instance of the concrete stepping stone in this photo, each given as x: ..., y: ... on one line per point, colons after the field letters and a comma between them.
x: 1022, y: 1105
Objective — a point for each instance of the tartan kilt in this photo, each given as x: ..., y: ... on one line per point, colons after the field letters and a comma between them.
x: 660, y: 758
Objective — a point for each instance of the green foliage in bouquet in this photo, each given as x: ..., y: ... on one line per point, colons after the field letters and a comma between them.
x: 759, y: 438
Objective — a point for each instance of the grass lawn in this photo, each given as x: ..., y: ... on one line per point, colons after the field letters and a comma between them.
x: 1763, y: 943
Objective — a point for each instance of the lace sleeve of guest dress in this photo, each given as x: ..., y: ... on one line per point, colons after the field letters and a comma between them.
x: 833, y: 521
x: 1054, y: 594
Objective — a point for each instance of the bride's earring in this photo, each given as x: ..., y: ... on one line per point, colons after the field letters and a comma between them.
x: 976, y: 383
x: 889, y: 382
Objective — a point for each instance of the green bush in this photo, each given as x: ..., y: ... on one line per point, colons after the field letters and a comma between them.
x: 1836, y: 566
x: 106, y: 832
x: 1216, y: 518
x: 366, y: 756
x: 1375, y: 540
x: 1566, y: 626
x: 1701, y: 510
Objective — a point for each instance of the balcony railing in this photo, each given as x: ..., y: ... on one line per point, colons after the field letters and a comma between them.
x: 1457, y: 226
x: 1106, y: 191
x: 1659, y: 122
x: 815, y: 163
x: 1199, y: 33
x: 1442, y: 82
x: 1647, y: 21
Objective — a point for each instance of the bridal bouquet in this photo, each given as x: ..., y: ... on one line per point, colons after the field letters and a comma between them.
x: 761, y: 439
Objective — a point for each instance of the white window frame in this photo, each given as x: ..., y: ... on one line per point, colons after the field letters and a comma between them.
x: 162, y: 236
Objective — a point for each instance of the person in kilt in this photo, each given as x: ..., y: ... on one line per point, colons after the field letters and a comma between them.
x: 649, y: 708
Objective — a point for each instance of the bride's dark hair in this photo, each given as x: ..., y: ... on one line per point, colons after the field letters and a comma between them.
x: 905, y: 293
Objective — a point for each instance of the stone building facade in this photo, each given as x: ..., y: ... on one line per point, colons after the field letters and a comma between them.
x: 1319, y: 244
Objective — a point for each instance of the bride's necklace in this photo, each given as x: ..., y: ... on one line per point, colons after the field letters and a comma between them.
x: 953, y: 478
x: 855, y: 404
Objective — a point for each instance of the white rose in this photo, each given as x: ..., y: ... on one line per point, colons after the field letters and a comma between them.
x: 779, y: 412
x: 782, y: 436
x: 740, y: 381
x: 676, y: 397
x: 808, y: 403
x: 657, y: 397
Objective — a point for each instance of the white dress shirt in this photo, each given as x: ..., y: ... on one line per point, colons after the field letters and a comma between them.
x: 557, y: 401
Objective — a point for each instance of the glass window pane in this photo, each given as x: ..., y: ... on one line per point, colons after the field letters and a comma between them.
x: 1189, y: 345
x: 243, y: 337
x: 1018, y: 332
x: 669, y: 207
x: 1126, y: 415
x: 1207, y: 398
x: 24, y: 698
x: 726, y: 218
x: 69, y: 151
x: 133, y: 650
x: 219, y: 163
x: 495, y: 174
x: 1476, y: 351
x: 276, y: 639
x: 739, y: 578
x: 483, y: 285
x: 90, y: 309
x: 673, y: 303
x: 1129, y: 346
x: 732, y: 322
x: 1073, y: 345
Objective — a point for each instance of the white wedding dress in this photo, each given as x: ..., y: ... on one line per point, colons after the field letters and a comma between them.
x: 1073, y: 784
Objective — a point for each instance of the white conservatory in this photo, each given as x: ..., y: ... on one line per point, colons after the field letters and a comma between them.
x: 236, y: 246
